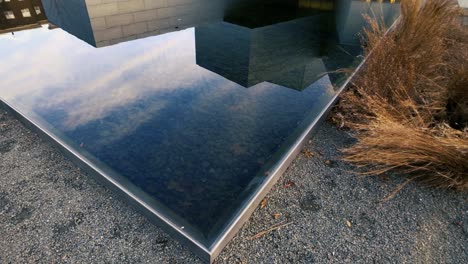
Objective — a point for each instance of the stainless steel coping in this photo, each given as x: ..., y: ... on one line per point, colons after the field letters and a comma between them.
x: 281, y: 167
x: 156, y: 217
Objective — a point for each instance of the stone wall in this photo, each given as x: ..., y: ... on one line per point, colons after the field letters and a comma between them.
x: 71, y: 16
x: 465, y: 16
x: 464, y: 5
x: 115, y: 21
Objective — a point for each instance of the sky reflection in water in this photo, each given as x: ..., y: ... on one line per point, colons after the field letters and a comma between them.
x: 149, y: 110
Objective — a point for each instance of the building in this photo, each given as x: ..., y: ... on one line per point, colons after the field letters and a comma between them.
x: 286, y: 53
x: 464, y: 5
x: 20, y: 14
x: 286, y: 47
x: 349, y: 17
x: 103, y: 23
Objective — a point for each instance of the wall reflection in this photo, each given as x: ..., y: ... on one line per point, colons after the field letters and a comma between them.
x: 287, y: 53
x: 350, y: 21
x: 113, y: 21
x: 246, y: 41
x: 16, y: 15
x: 103, y: 23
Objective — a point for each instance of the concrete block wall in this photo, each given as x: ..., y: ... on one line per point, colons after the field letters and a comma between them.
x: 349, y: 19
x: 115, y: 21
x: 465, y: 16
x: 464, y: 5
x: 286, y: 54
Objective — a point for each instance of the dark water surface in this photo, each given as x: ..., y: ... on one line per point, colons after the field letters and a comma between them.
x: 187, y: 103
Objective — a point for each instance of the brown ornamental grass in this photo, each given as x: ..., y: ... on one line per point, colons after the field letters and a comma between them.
x: 408, y: 105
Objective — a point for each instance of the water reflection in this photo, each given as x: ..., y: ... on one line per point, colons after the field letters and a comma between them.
x: 350, y: 20
x: 287, y: 54
x: 21, y: 15
x: 103, y: 23
x: 171, y: 114
x: 279, y: 41
x: 186, y: 136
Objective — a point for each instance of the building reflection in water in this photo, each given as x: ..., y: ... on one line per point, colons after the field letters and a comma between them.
x: 287, y: 54
x: 16, y: 15
x: 286, y: 42
x: 103, y: 23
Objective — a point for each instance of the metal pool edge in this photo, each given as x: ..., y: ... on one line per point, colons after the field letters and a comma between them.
x: 276, y: 173
x: 86, y: 165
x: 157, y: 218
x: 281, y: 167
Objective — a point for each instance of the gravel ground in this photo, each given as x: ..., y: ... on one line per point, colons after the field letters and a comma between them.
x: 50, y: 212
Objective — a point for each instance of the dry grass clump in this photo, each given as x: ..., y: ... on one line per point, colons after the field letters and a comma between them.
x: 409, y: 103
x: 433, y: 159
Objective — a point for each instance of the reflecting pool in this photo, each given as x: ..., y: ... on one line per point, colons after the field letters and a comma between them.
x: 188, y: 104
